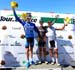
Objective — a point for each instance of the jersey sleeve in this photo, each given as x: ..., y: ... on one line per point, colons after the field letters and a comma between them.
x: 17, y: 18
x: 37, y: 30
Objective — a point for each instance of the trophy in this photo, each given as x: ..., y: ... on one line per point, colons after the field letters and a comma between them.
x: 14, y: 4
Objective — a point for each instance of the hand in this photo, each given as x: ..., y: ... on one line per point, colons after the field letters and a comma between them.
x: 66, y: 24
x: 22, y: 36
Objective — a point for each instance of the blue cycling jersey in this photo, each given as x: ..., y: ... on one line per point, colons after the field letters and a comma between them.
x: 29, y: 27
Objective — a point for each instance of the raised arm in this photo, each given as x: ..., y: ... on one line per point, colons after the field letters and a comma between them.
x: 61, y: 27
x: 17, y: 18
x: 56, y: 17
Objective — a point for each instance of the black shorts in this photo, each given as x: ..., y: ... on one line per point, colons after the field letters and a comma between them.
x: 41, y: 43
x: 29, y: 42
x: 52, y: 44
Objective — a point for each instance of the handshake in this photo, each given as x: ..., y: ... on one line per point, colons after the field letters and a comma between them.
x: 14, y: 4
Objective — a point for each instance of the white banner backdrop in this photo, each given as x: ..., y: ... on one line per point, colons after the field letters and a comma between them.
x: 12, y: 46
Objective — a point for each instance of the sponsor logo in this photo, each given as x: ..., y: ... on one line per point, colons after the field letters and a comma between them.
x: 73, y: 21
x: 70, y: 37
x: 3, y: 44
x: 60, y: 37
x: 23, y: 62
x: 4, y: 27
x: 8, y: 19
x: 11, y: 19
x: 11, y: 36
x: 16, y: 28
x: 34, y: 18
x: 16, y: 44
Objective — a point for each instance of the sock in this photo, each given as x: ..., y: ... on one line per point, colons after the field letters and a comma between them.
x: 27, y: 61
x: 56, y: 60
x: 31, y: 59
x: 53, y: 60
x: 26, y: 58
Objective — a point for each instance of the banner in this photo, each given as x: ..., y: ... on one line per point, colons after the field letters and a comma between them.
x: 12, y: 45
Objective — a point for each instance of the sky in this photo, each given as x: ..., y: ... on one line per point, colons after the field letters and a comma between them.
x: 57, y: 6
